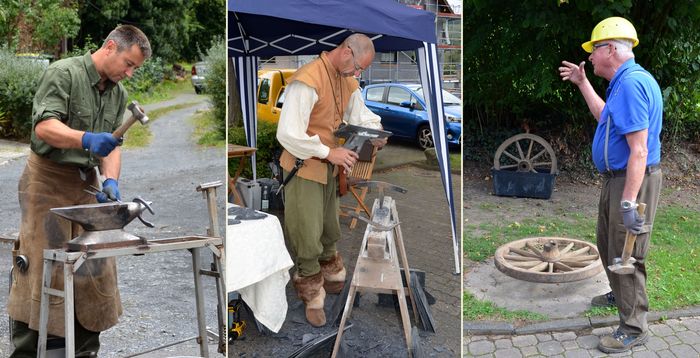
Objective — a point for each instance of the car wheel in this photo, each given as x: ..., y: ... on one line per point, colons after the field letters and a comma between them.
x: 425, y: 137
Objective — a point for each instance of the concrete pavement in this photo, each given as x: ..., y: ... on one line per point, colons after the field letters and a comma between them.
x: 670, y: 338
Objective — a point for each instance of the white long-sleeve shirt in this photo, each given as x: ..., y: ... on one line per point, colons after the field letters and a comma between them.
x: 294, y: 120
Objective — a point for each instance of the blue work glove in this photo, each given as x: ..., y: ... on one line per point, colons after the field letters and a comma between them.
x: 110, y: 191
x: 99, y: 143
x: 632, y: 220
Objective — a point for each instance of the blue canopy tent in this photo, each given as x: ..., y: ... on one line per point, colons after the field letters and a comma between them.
x: 307, y: 27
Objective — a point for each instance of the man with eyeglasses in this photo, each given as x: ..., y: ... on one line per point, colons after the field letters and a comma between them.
x: 320, y: 96
x: 627, y: 152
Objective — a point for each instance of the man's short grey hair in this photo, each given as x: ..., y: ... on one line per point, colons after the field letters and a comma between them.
x: 360, y: 44
x: 126, y: 36
x: 623, y: 45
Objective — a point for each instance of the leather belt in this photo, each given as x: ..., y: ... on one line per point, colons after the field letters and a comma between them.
x: 623, y: 172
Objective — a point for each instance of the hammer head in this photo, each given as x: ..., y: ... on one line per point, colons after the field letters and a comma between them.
x: 137, y: 112
x: 620, y: 268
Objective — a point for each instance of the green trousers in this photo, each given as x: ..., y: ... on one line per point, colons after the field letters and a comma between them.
x: 629, y: 290
x: 25, y: 341
x: 311, y: 221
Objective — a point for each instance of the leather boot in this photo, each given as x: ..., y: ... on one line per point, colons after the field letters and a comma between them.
x: 310, y: 291
x: 333, y: 274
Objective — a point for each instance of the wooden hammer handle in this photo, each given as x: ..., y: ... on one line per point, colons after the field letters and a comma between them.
x: 631, y: 238
x: 119, y: 132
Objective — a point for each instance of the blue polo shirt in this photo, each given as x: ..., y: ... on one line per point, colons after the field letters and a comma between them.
x: 633, y: 102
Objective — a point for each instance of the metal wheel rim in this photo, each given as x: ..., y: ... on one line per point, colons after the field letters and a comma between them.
x: 525, y: 153
x: 425, y: 138
x: 520, y: 259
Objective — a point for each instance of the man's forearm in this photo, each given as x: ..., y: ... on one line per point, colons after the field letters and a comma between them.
x: 111, y: 164
x: 636, y: 164
x: 594, y: 102
x: 58, y: 135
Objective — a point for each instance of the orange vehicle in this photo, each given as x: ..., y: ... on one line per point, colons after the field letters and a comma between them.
x: 271, y: 84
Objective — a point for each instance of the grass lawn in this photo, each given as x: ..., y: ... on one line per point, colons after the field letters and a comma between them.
x: 673, y: 267
x: 205, y: 132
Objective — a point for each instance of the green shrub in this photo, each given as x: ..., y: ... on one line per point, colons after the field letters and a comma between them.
x: 215, y: 83
x: 146, y: 77
x: 269, y: 149
x: 19, y: 79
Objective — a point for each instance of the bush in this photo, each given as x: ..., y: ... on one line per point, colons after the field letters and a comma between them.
x: 269, y: 149
x: 146, y: 77
x: 215, y: 83
x: 19, y: 79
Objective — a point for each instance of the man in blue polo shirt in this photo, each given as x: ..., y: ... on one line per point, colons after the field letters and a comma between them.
x: 627, y: 152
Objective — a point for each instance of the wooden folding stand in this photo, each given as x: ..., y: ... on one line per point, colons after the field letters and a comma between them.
x: 377, y: 268
x: 362, y: 170
x: 238, y: 151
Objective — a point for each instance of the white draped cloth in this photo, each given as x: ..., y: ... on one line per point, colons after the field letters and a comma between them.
x: 258, y: 266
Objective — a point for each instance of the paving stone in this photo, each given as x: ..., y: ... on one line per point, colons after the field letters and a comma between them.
x: 645, y: 354
x: 665, y: 354
x: 688, y: 337
x: 508, y: 353
x: 503, y: 343
x: 477, y: 338
x: 692, y: 324
x: 661, y: 330
x: 544, y: 337
x: 570, y: 345
x: 672, y: 340
x: 588, y: 342
x: 602, y: 331
x: 676, y: 325
x: 577, y: 353
x: 623, y: 354
x: 550, y: 348
x: 524, y: 341
x: 697, y: 347
x: 639, y: 348
x: 565, y: 336
x: 684, y: 350
x: 656, y: 344
x: 484, y: 356
x: 595, y: 353
x: 529, y: 351
x: 481, y: 347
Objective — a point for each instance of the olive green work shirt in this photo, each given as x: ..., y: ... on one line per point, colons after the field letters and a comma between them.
x: 68, y: 92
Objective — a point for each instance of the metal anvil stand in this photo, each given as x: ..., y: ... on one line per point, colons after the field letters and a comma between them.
x: 73, y: 260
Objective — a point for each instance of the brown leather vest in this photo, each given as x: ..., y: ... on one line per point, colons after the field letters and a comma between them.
x: 326, y: 116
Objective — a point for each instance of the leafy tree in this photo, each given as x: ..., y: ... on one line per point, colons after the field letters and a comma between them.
x: 512, y: 51
x: 37, y: 25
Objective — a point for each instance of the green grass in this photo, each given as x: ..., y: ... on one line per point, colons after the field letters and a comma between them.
x: 205, y: 132
x: 164, y: 91
x: 456, y: 161
x: 673, y: 266
x: 139, y: 135
x: 474, y: 310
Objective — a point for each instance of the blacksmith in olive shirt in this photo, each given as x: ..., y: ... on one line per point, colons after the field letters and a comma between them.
x: 78, y: 103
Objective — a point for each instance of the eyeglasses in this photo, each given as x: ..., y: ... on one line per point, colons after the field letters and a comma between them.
x: 358, y: 68
x: 597, y: 46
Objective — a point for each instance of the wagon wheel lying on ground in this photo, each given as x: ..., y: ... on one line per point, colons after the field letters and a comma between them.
x: 548, y: 259
x: 525, y: 153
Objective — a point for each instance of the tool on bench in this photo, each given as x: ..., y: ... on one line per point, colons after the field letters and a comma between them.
x: 625, y: 265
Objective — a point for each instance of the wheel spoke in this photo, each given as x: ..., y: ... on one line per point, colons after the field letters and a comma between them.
x: 509, y: 166
x: 567, y: 248
x: 538, y: 155
x: 534, y: 249
x: 525, y: 264
x: 551, y: 267
x: 511, y: 156
x: 520, y: 150
x: 582, y: 258
x: 576, y: 263
x: 517, y: 258
x: 539, y: 267
x: 577, y: 252
x: 529, y: 148
x: 523, y: 252
x: 563, y: 267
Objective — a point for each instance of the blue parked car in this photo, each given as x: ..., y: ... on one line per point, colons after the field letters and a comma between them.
x: 402, y: 109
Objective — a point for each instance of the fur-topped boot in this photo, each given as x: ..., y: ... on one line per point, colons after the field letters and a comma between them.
x: 310, y: 291
x: 333, y: 274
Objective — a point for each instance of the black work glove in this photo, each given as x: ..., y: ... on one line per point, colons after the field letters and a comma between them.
x: 632, y: 220
x: 110, y: 191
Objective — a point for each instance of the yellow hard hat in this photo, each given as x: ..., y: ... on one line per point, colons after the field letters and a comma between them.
x: 612, y: 28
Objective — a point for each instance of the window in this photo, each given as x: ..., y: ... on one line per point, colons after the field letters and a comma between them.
x: 375, y: 94
x: 280, y: 99
x: 387, y: 57
x: 398, y: 95
x: 264, y: 91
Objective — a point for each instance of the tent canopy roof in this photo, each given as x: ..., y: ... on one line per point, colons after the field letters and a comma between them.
x: 298, y: 27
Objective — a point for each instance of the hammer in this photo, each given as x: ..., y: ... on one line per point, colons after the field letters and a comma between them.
x: 625, y: 265
x: 137, y: 114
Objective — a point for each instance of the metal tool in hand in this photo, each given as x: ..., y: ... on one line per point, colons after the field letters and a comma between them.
x: 298, y: 163
x: 356, y: 136
x: 137, y: 114
x: 625, y: 265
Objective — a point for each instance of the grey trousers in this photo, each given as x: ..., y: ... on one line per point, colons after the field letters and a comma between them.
x: 629, y: 290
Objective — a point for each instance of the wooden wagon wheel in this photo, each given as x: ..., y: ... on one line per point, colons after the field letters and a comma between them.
x: 549, y: 259
x: 525, y: 153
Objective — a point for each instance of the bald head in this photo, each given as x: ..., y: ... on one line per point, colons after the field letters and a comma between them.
x: 360, y: 44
